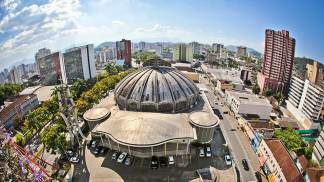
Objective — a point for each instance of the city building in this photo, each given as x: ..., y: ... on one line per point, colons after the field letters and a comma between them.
x: 78, y: 63
x: 50, y: 68
x: 241, y: 51
x: 15, y: 76
x: 156, y: 111
x: 196, y: 48
x: 41, y: 53
x: 278, y: 61
x: 167, y: 54
x: 277, y: 162
x: 249, y: 106
x: 305, y: 101
x: 142, y: 46
x: 318, y: 153
x: 18, y: 108
x: 246, y: 74
x: 218, y: 49
x: 315, y: 73
x: 124, y: 51
x: 183, y: 53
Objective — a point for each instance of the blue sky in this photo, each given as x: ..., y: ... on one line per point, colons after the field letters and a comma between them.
x: 26, y: 25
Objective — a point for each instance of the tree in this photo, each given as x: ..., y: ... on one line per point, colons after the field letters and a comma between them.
x: 247, y: 82
x: 256, y: 89
x: 267, y: 92
x: 54, y: 138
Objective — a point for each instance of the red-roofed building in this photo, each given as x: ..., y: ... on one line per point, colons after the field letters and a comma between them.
x: 279, y: 165
x: 17, y: 108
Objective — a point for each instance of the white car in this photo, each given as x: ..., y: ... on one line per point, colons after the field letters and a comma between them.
x: 201, y: 152
x: 121, y: 157
x: 171, y: 160
x: 228, y: 160
x: 208, y: 152
x: 75, y: 159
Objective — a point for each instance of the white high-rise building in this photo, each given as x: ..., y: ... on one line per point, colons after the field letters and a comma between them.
x: 78, y: 63
x: 305, y: 102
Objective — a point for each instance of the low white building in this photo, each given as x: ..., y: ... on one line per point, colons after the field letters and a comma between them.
x: 248, y: 104
x: 305, y: 102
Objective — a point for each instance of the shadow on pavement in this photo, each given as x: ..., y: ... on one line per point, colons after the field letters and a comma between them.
x: 80, y: 172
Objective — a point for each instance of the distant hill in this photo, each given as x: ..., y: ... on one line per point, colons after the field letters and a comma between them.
x: 250, y: 51
x: 106, y: 44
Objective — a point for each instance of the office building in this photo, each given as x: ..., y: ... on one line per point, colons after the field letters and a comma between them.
x: 124, y: 52
x: 15, y: 75
x: 41, y: 53
x: 218, y: 49
x: 18, y: 108
x: 248, y: 105
x: 50, y: 68
x: 183, y: 53
x: 246, y: 74
x: 305, y: 102
x: 278, y: 61
x: 315, y: 73
x: 241, y: 51
x: 196, y: 48
x: 79, y: 63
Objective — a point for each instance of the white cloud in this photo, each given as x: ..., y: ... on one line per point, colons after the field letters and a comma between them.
x: 117, y: 22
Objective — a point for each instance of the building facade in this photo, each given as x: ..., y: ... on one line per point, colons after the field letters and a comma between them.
x: 277, y: 163
x: 305, y: 102
x: 50, y: 68
x: 279, y: 54
x: 79, y: 63
x: 241, y: 51
x: 17, y: 109
x: 196, y: 48
x: 41, y: 53
x: 183, y: 53
x: 218, y: 49
x: 318, y: 153
x: 315, y: 73
x: 124, y: 51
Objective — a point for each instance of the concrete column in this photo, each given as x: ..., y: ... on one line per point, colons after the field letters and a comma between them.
x: 152, y: 151
x: 101, y: 140
x: 118, y: 147
x: 165, y: 149
x: 129, y: 151
x: 109, y: 142
x: 188, y: 146
x: 177, y: 148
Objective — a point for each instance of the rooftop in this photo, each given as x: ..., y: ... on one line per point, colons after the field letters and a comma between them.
x: 146, y: 129
x: 43, y: 92
x: 203, y: 119
x: 287, y: 165
x: 16, y: 103
x: 246, y: 98
x: 226, y: 74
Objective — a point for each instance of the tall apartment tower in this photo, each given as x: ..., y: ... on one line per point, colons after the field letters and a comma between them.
x: 315, y: 73
x: 278, y: 61
x: 41, y: 53
x: 78, y: 63
x: 124, y: 51
x: 183, y: 53
x: 49, y: 67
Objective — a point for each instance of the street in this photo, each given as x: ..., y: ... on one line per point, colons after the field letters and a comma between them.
x: 239, y: 144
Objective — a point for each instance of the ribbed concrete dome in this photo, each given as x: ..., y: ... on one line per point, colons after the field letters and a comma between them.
x: 156, y: 89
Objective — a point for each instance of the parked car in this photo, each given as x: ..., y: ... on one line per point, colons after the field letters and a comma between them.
x: 154, y: 162
x: 129, y: 160
x: 103, y: 151
x: 258, y: 176
x: 75, y: 159
x: 122, y: 157
x: 93, y: 143
x: 114, y: 155
x: 163, y: 161
x: 96, y: 150
x: 69, y: 153
x: 208, y: 152
x: 201, y: 152
x: 245, y: 164
x: 171, y: 160
x: 217, y: 113
x: 228, y: 160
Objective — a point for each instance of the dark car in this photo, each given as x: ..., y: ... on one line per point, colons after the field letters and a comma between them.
x: 103, y: 151
x: 154, y: 162
x: 96, y: 150
x: 163, y: 161
x: 93, y: 144
x: 217, y: 113
x: 245, y: 164
x: 258, y: 176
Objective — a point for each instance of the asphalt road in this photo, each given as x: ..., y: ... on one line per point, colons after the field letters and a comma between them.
x: 238, y: 148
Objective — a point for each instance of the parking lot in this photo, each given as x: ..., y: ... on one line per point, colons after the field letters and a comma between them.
x: 92, y: 168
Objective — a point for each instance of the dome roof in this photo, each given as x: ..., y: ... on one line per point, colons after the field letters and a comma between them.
x: 156, y: 89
